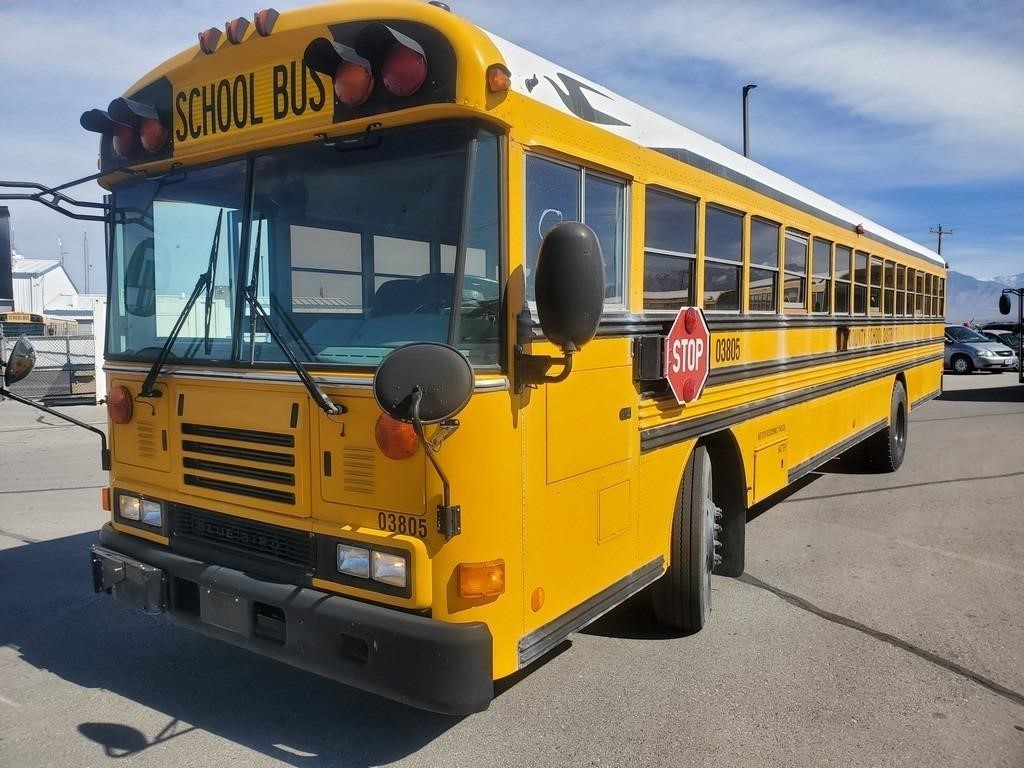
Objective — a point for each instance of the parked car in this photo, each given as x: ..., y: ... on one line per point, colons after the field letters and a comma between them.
x: 968, y: 350
x: 1007, y: 338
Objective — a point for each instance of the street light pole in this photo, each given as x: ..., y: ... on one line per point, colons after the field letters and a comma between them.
x: 746, y: 131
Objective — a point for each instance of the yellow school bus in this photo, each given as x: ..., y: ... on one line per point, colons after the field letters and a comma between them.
x: 386, y: 348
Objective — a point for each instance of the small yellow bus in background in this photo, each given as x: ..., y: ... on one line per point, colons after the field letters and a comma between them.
x: 386, y: 348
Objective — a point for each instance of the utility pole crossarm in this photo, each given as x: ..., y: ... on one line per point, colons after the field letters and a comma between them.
x: 940, y: 232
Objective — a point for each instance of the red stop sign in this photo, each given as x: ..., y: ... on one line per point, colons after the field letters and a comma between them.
x: 687, y: 349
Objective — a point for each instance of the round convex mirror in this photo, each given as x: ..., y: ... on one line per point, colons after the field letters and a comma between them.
x: 441, y: 374
x: 21, y: 362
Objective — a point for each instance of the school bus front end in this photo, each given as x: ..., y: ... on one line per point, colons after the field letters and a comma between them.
x: 318, y: 189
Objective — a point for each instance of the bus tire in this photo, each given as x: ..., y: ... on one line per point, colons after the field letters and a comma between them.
x: 682, y: 596
x: 886, y: 449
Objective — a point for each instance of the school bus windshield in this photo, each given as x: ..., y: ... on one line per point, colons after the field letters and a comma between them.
x: 353, y: 248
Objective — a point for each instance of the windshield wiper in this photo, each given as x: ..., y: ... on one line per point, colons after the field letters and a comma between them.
x: 205, y: 282
x: 318, y: 395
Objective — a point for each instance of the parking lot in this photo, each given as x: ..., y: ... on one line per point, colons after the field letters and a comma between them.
x: 880, y: 623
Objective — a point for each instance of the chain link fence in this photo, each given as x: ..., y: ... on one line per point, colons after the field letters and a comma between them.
x: 65, y: 371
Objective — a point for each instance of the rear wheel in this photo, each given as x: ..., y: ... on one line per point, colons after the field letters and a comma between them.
x: 886, y: 450
x: 962, y: 364
x: 682, y: 597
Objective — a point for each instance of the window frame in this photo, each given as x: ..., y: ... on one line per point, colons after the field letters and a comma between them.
x: 704, y: 259
x: 692, y: 258
x: 761, y: 220
x: 621, y: 304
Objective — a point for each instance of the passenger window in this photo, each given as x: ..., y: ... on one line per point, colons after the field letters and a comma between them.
x: 821, y: 275
x: 794, y: 288
x: 844, y: 274
x: 875, y: 291
x: 670, y: 251
x: 723, y: 259
x: 764, y: 265
x: 860, y: 283
x: 890, y: 281
x: 557, y: 192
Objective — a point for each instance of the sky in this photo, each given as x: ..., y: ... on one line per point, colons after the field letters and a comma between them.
x: 910, y: 113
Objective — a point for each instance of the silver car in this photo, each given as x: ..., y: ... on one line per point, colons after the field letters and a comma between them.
x: 968, y: 350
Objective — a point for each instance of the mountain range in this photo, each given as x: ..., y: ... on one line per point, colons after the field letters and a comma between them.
x: 977, y: 301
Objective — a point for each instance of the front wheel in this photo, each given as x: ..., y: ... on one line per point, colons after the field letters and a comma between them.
x: 682, y: 597
x: 962, y: 365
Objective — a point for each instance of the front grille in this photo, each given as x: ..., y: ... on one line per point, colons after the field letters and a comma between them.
x: 262, y: 464
x: 1001, y: 353
x: 245, y: 538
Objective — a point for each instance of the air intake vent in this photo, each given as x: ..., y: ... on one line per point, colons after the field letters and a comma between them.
x: 359, y: 470
x: 149, y: 439
x: 240, y: 462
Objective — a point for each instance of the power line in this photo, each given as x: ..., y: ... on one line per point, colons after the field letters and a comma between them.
x: 940, y: 232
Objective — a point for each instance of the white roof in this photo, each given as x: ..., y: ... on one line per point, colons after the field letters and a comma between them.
x: 542, y: 80
x: 32, y: 267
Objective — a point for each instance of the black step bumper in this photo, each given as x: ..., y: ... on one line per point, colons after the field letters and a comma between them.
x: 413, y: 659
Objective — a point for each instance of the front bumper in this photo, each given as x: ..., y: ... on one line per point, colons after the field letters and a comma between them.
x: 996, y: 363
x: 413, y: 659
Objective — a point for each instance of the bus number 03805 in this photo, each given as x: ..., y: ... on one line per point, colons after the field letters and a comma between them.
x: 405, y: 524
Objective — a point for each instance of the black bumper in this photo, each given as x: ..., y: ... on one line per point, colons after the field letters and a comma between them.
x: 421, y: 662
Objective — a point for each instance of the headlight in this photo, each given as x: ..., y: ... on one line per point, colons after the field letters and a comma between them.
x: 152, y: 513
x: 354, y: 561
x: 986, y: 353
x: 129, y: 507
x: 388, y: 568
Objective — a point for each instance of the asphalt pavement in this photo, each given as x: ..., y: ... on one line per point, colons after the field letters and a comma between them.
x: 880, y: 623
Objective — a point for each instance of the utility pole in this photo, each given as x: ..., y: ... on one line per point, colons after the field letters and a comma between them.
x: 940, y: 232
x: 85, y: 255
x: 746, y: 131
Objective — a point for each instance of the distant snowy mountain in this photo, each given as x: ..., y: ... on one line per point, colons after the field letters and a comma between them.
x: 1010, y: 281
x: 973, y: 300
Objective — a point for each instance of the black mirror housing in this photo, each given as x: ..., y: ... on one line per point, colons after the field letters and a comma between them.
x: 1004, y: 304
x: 569, y: 285
x: 20, y: 363
x: 427, y: 381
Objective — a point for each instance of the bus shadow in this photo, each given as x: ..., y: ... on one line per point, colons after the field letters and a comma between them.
x: 1011, y: 394
x: 52, y: 619
x: 633, y: 620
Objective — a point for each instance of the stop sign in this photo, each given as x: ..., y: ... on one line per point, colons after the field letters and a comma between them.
x: 687, y: 349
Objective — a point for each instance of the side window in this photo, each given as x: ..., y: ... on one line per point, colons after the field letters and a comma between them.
x: 794, y: 289
x: 764, y: 265
x: 821, y: 275
x: 844, y: 273
x: 723, y: 259
x: 670, y: 251
x: 911, y: 282
x: 901, y: 290
x: 552, y: 196
x: 860, y: 283
x: 919, y: 294
x: 875, y: 291
x: 557, y: 192
x: 890, y: 281
x: 604, y: 211
x: 942, y: 297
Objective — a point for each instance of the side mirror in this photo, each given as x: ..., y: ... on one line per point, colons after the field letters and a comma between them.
x: 427, y: 383
x: 569, y: 285
x: 1004, y: 304
x: 424, y: 382
x: 140, y: 280
x: 20, y: 363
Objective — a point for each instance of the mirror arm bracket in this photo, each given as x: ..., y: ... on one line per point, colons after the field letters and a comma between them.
x: 532, y: 370
x: 449, y: 516
x: 104, y: 449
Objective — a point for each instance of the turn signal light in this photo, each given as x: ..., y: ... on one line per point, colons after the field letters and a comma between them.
x: 499, y: 78
x: 119, y: 405
x: 481, y: 579
x: 396, y: 439
x: 353, y: 83
x: 105, y: 498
